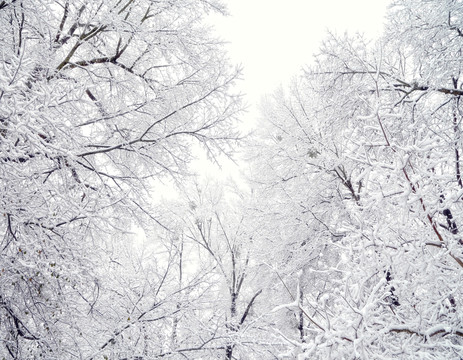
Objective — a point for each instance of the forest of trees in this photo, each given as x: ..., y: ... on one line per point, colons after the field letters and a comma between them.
x: 343, y: 241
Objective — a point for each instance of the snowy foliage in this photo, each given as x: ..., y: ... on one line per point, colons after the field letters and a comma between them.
x: 97, y: 98
x: 362, y: 166
x: 347, y: 246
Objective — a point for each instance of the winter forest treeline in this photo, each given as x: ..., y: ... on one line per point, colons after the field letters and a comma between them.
x: 344, y: 243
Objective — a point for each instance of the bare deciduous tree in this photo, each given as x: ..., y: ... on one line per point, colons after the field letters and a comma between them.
x: 97, y: 99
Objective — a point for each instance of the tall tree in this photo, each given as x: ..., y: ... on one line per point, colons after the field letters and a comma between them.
x: 97, y: 98
x: 218, y: 240
x: 379, y: 126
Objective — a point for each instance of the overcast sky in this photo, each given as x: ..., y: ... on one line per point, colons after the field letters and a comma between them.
x: 273, y: 39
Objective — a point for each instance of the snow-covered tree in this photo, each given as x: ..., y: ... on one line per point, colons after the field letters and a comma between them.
x: 217, y: 234
x: 365, y: 151
x: 97, y: 99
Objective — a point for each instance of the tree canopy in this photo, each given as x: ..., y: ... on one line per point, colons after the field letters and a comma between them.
x: 343, y: 243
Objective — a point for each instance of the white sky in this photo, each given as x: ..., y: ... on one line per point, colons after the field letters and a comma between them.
x: 274, y: 39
